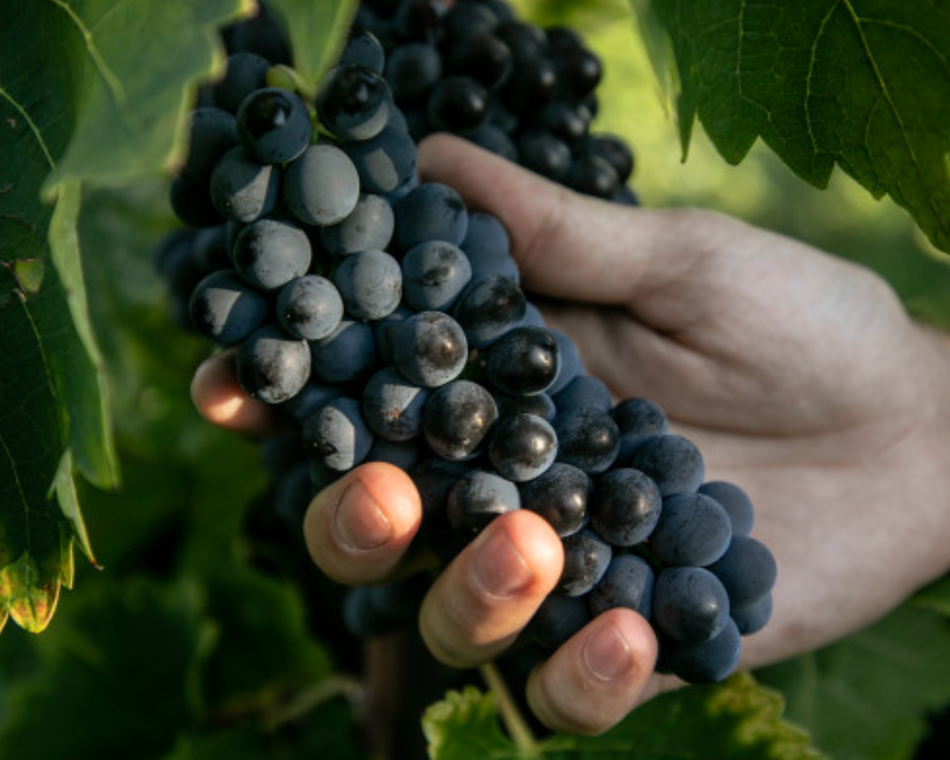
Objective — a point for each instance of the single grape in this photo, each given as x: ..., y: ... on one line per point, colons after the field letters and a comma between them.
x: 431, y: 211
x: 457, y: 104
x: 271, y: 366
x: 735, y: 501
x: 386, y: 162
x: 588, y: 439
x: 322, y: 186
x: 370, y: 283
x: 753, y: 617
x: 429, y: 348
x: 309, y: 307
x: 690, y: 605
x: 747, y: 570
x: 628, y: 582
x: 244, y: 73
x: 544, y: 153
x: 212, y: 132
x: 708, y: 662
x: 637, y: 419
x: 225, y: 309
x: 458, y: 418
x: 625, y: 506
x: 557, y: 619
x: 692, y: 530
x: 346, y: 355
x: 434, y: 273
x: 477, y: 499
x: 368, y: 227
x: 273, y: 125
x: 586, y: 557
x: 412, y: 70
x: 363, y: 48
x: 488, y: 308
x: 269, y: 253
x: 354, y: 103
x: 522, y: 447
x: 524, y: 361
x: 242, y: 189
x: 336, y: 434
x: 585, y: 391
x: 392, y: 406
x: 674, y: 463
x: 560, y: 495
x: 488, y: 247
x: 483, y: 57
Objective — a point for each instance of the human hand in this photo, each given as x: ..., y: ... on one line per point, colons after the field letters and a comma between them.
x: 799, y: 376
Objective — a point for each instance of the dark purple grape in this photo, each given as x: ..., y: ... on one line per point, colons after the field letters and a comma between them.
x: 524, y: 361
x: 627, y: 582
x: 457, y: 103
x: 354, y: 103
x: 588, y: 439
x: 273, y: 125
x: 522, y: 447
x: 586, y: 557
x: 560, y: 495
x: 429, y: 348
x: 392, y: 406
x: 692, y: 530
x: 674, y: 463
x: 477, y: 499
x: 488, y: 308
x: 271, y: 366
x: 557, y: 619
x: 747, y: 570
x: 625, y: 506
x: 225, y: 309
x: 690, y: 605
x: 735, y: 501
x: 458, y: 418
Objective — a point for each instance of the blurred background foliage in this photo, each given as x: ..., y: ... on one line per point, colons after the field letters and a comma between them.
x: 195, y: 636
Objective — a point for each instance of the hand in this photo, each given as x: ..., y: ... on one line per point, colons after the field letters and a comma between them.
x: 799, y: 376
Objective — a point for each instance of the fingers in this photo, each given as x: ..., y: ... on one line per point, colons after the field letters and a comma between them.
x: 598, y: 676
x: 220, y: 399
x: 359, y: 528
x: 567, y: 245
x: 481, y: 601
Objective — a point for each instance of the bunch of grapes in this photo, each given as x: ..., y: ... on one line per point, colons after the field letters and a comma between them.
x: 387, y: 323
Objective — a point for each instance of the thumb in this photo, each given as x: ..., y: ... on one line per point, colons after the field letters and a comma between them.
x: 567, y: 245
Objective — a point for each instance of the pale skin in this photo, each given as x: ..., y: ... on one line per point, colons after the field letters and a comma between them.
x: 799, y: 376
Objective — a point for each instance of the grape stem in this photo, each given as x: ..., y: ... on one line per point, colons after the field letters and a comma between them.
x: 511, y: 716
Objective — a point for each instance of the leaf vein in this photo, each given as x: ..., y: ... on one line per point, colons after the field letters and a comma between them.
x: 32, y: 125
x: 112, y: 81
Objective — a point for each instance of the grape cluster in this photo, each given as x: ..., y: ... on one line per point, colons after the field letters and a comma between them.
x: 385, y: 320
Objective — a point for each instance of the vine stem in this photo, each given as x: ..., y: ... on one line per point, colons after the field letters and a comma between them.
x: 510, y: 714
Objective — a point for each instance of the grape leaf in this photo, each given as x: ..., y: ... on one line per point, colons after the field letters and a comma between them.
x: 316, y: 30
x: 866, y: 698
x: 864, y: 84
x: 90, y: 91
x: 737, y: 720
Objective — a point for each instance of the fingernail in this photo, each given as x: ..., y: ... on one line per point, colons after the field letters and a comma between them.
x: 360, y: 523
x: 499, y: 570
x: 607, y: 653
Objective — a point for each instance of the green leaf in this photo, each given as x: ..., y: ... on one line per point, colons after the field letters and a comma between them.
x: 864, y: 84
x: 316, y: 30
x: 91, y: 91
x: 736, y: 720
x: 867, y: 697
